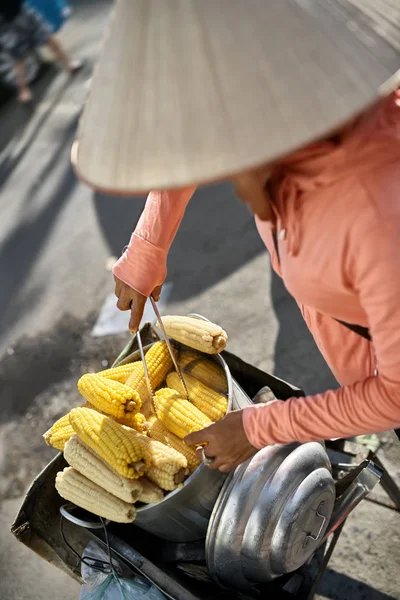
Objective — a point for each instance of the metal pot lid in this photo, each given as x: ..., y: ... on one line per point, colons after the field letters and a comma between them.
x: 290, y: 516
x: 232, y: 511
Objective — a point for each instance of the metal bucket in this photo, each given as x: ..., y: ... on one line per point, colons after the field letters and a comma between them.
x: 183, y: 515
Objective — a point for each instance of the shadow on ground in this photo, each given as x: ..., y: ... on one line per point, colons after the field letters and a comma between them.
x: 16, y: 117
x: 217, y: 236
x: 21, y: 248
x: 337, y: 586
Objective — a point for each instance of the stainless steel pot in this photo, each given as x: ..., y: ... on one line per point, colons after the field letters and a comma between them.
x: 275, y: 510
x: 270, y: 515
x: 183, y: 515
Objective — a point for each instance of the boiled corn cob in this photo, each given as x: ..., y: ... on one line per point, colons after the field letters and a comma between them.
x: 211, y: 403
x: 158, y: 432
x: 76, y: 488
x: 204, y: 369
x: 136, y: 421
x: 195, y: 333
x: 59, y: 433
x: 94, y: 468
x: 159, y: 363
x: 179, y: 415
x: 165, y: 481
x: 120, y: 373
x: 151, y: 493
x: 111, y: 441
x: 164, y: 457
x: 111, y: 397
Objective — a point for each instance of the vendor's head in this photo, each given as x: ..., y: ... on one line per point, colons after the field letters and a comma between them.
x: 192, y: 91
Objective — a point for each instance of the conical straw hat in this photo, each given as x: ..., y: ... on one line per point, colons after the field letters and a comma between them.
x: 189, y: 91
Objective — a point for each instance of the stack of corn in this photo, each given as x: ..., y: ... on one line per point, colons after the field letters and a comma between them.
x: 113, y: 466
x: 118, y: 451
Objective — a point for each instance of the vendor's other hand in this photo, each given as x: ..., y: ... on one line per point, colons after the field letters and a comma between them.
x: 225, y: 441
x: 130, y: 299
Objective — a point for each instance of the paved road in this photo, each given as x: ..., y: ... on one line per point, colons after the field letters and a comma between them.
x: 55, y: 238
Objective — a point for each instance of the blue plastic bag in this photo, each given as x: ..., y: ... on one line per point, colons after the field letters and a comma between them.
x: 102, y: 586
x: 55, y: 12
x: 122, y: 589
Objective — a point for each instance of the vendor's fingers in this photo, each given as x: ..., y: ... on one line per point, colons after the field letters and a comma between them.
x: 157, y: 292
x: 216, y: 463
x: 124, y: 299
x: 137, y: 308
x: 225, y: 468
x: 202, y: 453
x: 118, y: 286
x: 199, y: 453
x: 199, y: 438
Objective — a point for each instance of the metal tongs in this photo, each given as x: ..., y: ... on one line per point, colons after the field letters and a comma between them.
x: 170, y: 349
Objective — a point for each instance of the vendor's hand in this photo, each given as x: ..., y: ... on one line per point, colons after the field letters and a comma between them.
x: 225, y: 441
x: 130, y: 299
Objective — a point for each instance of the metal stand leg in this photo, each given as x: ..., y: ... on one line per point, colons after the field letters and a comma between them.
x: 387, y: 482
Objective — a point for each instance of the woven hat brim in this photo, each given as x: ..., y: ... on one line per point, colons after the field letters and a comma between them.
x: 187, y: 92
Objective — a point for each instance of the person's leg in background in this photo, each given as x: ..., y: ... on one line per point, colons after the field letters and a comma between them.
x: 71, y: 66
x: 24, y: 91
x: 32, y: 31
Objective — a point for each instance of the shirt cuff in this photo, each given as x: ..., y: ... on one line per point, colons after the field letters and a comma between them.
x: 268, y: 424
x: 143, y: 266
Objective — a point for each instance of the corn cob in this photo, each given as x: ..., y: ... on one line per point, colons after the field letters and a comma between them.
x: 120, y: 373
x: 111, y: 441
x: 111, y: 397
x: 211, y: 403
x: 203, y: 369
x: 158, y: 432
x: 159, y: 363
x: 164, y: 457
x: 165, y: 481
x: 78, y: 489
x: 135, y: 421
x: 59, y: 433
x: 151, y: 493
x: 91, y: 466
x: 178, y: 414
x: 195, y: 333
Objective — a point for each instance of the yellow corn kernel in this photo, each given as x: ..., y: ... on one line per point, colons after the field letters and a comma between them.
x: 59, y: 433
x: 159, y: 363
x: 211, y: 403
x: 164, y: 457
x: 158, y: 432
x: 111, y: 441
x: 111, y: 397
x: 120, y: 373
x: 135, y: 421
x: 165, y: 481
x: 151, y: 493
x: 204, y: 369
x: 94, y: 468
x: 177, y: 414
x: 196, y: 333
x: 76, y: 488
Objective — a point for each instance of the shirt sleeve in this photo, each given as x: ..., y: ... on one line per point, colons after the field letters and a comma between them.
x: 143, y: 266
x: 371, y: 404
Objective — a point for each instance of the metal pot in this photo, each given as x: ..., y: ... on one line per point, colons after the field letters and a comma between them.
x: 270, y: 515
x: 276, y: 510
x: 183, y: 515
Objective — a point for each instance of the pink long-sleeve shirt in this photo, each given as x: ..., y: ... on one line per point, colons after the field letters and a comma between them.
x: 338, y: 219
